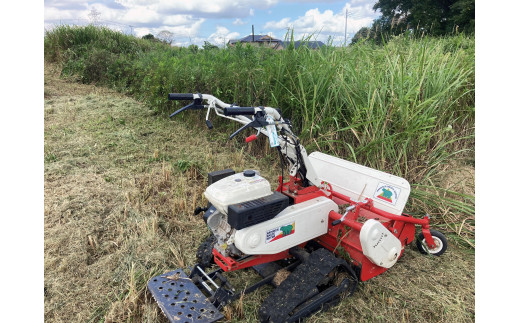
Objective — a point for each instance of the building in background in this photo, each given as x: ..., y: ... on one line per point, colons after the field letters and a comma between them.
x: 268, y: 41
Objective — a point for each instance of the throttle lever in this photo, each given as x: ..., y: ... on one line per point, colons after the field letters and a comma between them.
x: 241, y: 128
x: 258, y: 121
x: 196, y: 104
x: 182, y: 109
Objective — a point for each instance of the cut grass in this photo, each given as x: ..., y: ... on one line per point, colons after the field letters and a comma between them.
x: 105, y: 238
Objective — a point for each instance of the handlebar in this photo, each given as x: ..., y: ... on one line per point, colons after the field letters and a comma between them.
x: 235, y: 111
x: 180, y: 96
x: 266, y: 120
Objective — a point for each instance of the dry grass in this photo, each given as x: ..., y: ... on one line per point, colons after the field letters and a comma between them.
x: 120, y: 187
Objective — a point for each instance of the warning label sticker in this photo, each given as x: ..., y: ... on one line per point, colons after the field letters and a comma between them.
x: 279, y: 232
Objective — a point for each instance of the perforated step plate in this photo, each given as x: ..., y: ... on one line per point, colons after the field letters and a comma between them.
x: 181, y: 300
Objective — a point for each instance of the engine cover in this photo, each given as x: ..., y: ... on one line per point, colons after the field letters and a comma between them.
x: 378, y: 244
x: 246, y: 214
x: 296, y: 224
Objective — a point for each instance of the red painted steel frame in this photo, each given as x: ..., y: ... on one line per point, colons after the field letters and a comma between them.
x: 229, y: 264
x: 424, y: 222
x: 343, y: 237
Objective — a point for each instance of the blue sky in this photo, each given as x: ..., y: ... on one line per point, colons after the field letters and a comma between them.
x: 217, y: 21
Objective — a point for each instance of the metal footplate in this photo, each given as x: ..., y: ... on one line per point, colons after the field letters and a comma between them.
x: 181, y: 300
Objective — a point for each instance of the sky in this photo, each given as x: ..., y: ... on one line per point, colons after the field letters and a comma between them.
x: 217, y: 21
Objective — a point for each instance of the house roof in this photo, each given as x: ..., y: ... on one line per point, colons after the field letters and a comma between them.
x: 310, y: 44
x: 284, y: 44
x: 257, y: 38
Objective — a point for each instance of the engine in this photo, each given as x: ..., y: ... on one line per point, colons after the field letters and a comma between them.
x: 239, y: 201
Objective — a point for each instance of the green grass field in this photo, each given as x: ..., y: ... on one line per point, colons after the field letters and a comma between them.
x: 121, y: 180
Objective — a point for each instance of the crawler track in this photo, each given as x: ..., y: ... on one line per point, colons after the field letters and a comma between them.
x: 308, y: 288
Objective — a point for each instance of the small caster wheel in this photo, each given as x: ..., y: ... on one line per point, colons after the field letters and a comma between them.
x: 441, y: 244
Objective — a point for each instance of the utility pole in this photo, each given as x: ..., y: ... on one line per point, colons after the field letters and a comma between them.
x: 346, y: 16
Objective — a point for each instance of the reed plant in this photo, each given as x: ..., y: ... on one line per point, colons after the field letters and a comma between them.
x: 406, y: 107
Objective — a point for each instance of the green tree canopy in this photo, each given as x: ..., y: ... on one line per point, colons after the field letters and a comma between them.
x: 436, y: 17
x: 207, y: 45
x: 149, y: 36
x: 363, y: 33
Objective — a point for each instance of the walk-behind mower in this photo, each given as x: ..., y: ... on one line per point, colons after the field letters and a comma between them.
x: 330, y: 224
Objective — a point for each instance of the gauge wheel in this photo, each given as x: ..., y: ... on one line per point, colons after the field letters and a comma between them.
x: 441, y: 243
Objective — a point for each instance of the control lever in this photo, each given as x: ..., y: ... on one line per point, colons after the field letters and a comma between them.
x: 258, y: 121
x: 195, y: 105
x: 182, y: 109
x: 348, y: 209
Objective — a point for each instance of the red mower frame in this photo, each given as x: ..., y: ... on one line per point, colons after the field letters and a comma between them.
x: 343, y: 230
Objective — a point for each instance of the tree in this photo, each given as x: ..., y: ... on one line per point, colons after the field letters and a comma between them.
x: 166, y: 36
x: 149, y: 36
x: 381, y: 29
x: 363, y: 33
x: 436, y: 17
x: 207, y: 46
x: 463, y: 15
x: 193, y: 48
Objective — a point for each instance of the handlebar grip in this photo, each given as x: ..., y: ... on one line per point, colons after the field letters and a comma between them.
x: 336, y: 222
x: 180, y: 96
x: 239, y: 111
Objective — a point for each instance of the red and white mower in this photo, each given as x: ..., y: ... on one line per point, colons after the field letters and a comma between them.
x: 331, y: 224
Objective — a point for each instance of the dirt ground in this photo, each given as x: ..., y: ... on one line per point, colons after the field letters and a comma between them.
x: 120, y: 186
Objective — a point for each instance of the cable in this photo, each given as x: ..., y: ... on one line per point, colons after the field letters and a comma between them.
x: 282, y: 164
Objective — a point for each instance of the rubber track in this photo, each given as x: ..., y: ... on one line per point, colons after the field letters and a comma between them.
x: 205, y: 251
x: 295, y: 289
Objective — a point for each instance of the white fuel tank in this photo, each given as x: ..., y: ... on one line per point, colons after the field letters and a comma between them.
x: 378, y: 244
x: 237, y: 188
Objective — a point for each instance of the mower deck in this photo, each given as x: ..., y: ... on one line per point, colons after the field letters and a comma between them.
x: 181, y: 300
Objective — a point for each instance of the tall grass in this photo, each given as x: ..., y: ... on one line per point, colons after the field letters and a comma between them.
x: 406, y: 107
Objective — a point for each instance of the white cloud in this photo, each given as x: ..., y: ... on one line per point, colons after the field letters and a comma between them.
x: 214, y: 8
x: 372, y: 2
x: 328, y: 23
x: 51, y: 13
x: 140, y: 16
x: 181, y: 31
x: 222, y: 35
x: 282, y: 24
x: 184, y: 18
x: 178, y: 20
x: 313, y: 1
x: 238, y: 22
x: 153, y: 11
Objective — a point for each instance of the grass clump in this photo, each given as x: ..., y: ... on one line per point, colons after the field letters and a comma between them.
x: 119, y: 201
x: 406, y: 107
